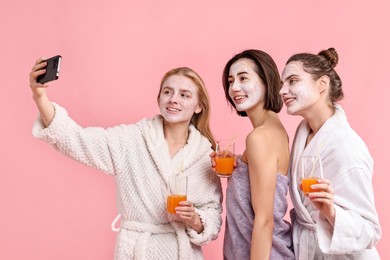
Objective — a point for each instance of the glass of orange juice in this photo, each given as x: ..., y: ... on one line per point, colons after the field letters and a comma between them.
x: 224, y: 159
x: 311, y: 169
x: 177, y: 191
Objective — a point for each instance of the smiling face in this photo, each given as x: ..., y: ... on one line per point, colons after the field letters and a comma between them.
x: 178, y: 99
x: 246, y: 89
x: 299, y: 90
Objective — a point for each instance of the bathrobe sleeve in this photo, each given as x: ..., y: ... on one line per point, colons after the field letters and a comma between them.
x: 86, y: 145
x: 356, y: 224
x: 208, y: 204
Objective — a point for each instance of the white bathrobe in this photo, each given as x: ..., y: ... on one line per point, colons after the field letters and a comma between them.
x: 348, y: 165
x: 137, y: 155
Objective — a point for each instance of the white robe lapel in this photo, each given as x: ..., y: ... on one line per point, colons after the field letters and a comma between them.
x: 197, y: 146
x: 316, y: 147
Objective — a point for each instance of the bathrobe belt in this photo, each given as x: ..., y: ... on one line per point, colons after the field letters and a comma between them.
x: 146, y: 230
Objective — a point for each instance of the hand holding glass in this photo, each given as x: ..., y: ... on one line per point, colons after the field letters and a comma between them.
x: 177, y: 185
x: 224, y: 159
x: 311, y: 167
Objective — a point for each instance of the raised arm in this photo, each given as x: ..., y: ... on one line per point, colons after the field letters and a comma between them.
x: 40, y: 97
x: 88, y: 145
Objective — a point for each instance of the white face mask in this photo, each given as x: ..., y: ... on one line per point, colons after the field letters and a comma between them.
x: 299, y: 91
x: 246, y: 89
x: 179, y: 99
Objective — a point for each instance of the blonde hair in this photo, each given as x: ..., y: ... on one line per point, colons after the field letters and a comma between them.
x: 201, y: 120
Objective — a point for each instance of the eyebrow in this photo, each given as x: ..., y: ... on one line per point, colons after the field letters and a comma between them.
x: 186, y: 91
x: 240, y: 73
x: 180, y: 90
x: 290, y: 76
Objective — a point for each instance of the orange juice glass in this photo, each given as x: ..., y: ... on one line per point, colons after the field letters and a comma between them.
x: 224, y: 160
x: 306, y: 184
x: 311, y: 170
x: 173, y: 202
x: 177, y: 191
x: 224, y: 165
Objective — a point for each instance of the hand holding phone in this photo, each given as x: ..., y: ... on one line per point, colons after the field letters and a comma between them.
x: 52, y: 70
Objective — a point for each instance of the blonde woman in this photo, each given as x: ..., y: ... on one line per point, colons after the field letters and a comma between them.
x: 141, y: 157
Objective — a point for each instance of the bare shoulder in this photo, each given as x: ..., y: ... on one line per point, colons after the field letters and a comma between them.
x: 271, y: 132
x: 269, y: 144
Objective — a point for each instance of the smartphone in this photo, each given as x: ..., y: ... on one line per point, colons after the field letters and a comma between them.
x: 52, y: 70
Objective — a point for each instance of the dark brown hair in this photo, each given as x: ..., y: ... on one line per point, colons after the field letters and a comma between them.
x: 268, y: 73
x: 322, y: 64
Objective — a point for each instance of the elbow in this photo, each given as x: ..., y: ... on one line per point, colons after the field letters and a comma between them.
x: 264, y: 223
x: 376, y: 236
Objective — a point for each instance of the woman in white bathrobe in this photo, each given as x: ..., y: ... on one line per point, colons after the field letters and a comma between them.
x: 338, y: 220
x: 141, y: 157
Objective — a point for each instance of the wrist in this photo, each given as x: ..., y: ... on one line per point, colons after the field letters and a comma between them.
x: 37, y: 96
x: 197, y: 224
x: 331, y: 216
x: 38, y: 93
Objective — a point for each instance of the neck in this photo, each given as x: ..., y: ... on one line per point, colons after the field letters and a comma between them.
x: 257, y: 117
x: 176, y: 134
x: 318, y: 117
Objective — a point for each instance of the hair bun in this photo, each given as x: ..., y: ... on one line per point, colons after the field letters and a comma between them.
x: 331, y: 56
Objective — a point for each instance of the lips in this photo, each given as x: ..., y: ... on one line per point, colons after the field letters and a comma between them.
x: 171, y: 109
x: 288, y: 100
x: 239, y: 98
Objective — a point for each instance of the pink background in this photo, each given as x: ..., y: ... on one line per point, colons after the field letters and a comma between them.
x: 114, y: 54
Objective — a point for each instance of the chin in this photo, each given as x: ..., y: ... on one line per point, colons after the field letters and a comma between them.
x: 171, y: 120
x: 291, y: 112
x: 241, y: 108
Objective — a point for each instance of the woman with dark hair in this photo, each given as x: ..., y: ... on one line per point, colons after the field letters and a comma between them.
x: 256, y: 193
x: 338, y: 219
x: 142, y: 157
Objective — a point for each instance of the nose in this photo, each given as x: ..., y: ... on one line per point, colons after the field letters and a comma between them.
x: 173, y: 98
x: 284, y: 90
x: 235, y: 86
